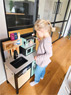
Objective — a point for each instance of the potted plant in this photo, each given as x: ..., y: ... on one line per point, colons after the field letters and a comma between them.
x: 11, y: 4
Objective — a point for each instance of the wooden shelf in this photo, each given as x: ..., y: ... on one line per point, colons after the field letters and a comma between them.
x: 8, y: 45
x: 15, y: 13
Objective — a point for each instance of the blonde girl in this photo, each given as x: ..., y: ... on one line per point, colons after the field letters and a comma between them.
x: 44, y: 51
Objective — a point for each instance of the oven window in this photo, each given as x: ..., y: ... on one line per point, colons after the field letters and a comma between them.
x: 29, y: 50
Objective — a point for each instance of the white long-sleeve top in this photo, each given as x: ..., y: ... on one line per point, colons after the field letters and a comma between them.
x: 44, y: 52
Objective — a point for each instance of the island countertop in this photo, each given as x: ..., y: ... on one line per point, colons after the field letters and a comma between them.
x: 30, y: 59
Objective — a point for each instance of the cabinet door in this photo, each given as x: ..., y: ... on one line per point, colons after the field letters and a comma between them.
x: 23, y: 78
x: 10, y: 76
x: 63, y: 90
x: 66, y: 85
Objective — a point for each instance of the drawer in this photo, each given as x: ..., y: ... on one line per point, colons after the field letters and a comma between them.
x: 23, y: 78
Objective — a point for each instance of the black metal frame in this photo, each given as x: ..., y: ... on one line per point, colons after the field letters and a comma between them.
x: 16, y: 83
x: 36, y: 8
x: 55, y: 15
x: 64, y: 17
x: 60, y: 21
x: 29, y: 26
x: 18, y: 28
x: 67, y: 22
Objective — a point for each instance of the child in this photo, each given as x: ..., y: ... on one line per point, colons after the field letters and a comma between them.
x: 44, y: 51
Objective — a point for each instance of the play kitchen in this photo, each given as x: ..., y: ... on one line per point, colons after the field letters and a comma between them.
x: 18, y: 56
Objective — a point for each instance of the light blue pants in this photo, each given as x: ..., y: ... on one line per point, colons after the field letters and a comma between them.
x: 39, y: 73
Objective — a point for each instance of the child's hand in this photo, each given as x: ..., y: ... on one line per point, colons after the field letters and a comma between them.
x: 35, y: 57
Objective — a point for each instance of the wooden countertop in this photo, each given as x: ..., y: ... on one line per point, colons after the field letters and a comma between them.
x: 8, y: 45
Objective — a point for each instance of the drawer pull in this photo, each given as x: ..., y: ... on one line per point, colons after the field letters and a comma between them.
x: 24, y: 71
x: 67, y: 90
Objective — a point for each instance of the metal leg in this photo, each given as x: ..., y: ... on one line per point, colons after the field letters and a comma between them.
x: 16, y: 84
x: 7, y: 81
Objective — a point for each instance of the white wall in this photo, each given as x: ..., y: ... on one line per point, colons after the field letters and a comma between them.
x: 66, y: 19
x: 41, y: 8
x: 68, y: 26
x: 60, y: 16
x: 46, y: 9
x: 3, y: 34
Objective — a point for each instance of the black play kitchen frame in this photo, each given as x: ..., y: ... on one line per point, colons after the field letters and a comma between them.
x: 24, y: 72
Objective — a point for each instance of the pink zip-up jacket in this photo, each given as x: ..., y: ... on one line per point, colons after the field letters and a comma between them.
x: 44, y: 52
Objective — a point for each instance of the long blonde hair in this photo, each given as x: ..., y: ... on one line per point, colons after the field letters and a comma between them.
x: 43, y: 24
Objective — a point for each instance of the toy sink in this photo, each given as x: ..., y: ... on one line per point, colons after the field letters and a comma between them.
x: 18, y: 62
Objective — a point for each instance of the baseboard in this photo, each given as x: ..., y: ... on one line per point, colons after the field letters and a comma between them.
x: 2, y: 81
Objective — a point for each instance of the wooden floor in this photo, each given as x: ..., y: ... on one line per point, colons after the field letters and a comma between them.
x: 54, y: 76
x: 55, y: 35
